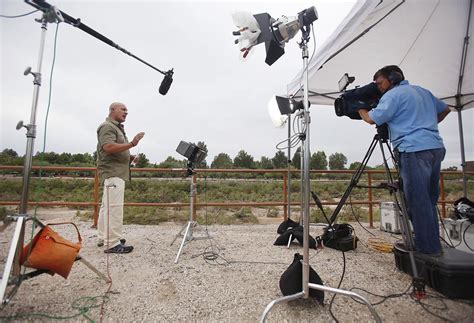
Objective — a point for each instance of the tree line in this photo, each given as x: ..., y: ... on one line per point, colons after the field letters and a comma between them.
x: 318, y: 160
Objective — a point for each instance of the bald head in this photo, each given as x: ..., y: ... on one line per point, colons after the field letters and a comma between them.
x: 118, y: 111
x: 114, y: 106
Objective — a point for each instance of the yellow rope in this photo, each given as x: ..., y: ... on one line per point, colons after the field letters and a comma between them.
x: 380, y: 245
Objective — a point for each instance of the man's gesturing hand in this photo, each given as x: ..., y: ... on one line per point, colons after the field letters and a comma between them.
x: 137, y: 138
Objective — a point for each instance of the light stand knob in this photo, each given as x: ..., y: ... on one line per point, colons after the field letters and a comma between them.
x: 20, y: 124
x: 37, y: 76
x: 27, y: 71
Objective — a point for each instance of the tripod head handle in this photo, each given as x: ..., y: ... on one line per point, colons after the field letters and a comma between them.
x: 190, y: 165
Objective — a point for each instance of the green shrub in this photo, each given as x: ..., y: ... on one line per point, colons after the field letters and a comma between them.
x: 273, y: 212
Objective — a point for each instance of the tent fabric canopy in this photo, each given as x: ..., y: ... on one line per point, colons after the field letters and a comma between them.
x: 428, y: 39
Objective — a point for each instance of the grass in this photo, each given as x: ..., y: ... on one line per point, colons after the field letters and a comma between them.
x: 224, y: 190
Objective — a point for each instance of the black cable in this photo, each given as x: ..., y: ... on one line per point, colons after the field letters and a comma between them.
x: 213, y: 256
x: 425, y: 307
x: 419, y: 302
x: 339, y: 285
x: 211, y: 253
x: 18, y: 16
x: 450, y: 244
x: 384, y: 297
x: 464, y: 236
x: 294, y: 141
x: 356, y: 217
x: 295, y: 121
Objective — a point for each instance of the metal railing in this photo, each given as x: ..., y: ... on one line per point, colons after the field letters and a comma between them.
x: 95, y: 203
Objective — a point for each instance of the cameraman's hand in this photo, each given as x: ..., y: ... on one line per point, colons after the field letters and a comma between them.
x: 137, y: 138
x: 364, y: 114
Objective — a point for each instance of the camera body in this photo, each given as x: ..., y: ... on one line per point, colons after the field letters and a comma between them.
x: 365, y: 97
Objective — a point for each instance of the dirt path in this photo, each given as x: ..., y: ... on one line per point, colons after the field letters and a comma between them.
x: 148, y: 286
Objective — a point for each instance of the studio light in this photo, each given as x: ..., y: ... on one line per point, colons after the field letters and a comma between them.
x: 278, y: 118
x: 344, y: 81
x: 192, y: 152
x: 262, y: 28
x: 279, y: 107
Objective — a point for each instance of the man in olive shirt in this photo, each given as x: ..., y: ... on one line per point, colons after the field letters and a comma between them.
x: 113, y: 165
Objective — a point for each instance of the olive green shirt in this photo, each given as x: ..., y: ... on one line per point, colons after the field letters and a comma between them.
x: 112, y: 165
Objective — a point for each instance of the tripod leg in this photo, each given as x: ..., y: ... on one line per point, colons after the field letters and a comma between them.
x: 91, y: 267
x: 179, y: 233
x: 354, y: 180
x: 188, y: 227
x: 11, y: 258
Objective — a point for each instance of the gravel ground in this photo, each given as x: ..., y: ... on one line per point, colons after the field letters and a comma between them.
x: 148, y: 286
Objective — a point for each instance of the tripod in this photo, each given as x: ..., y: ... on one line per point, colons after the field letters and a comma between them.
x: 189, y: 226
x: 306, y: 189
x: 13, y: 265
x: 395, y: 190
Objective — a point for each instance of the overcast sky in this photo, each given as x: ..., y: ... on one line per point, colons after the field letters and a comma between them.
x: 216, y: 97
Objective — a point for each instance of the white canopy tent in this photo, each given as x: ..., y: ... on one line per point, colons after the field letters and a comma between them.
x: 428, y: 39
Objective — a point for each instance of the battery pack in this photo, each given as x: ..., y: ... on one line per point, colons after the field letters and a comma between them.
x: 390, y: 218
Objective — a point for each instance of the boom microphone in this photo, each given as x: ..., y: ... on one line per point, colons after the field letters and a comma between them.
x: 166, y: 83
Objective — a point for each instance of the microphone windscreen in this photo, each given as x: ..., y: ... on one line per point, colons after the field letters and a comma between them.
x: 165, y: 84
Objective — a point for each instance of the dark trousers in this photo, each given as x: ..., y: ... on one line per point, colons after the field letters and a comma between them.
x: 420, y: 172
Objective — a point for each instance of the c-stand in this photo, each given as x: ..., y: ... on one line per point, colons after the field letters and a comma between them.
x: 13, y: 264
x: 188, y: 233
x: 305, y: 181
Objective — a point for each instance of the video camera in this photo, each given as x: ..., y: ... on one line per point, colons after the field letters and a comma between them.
x: 365, y: 97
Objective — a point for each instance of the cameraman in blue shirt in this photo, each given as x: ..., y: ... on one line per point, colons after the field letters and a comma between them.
x: 412, y: 114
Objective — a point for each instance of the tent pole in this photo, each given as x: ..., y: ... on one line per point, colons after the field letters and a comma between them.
x: 459, y: 105
x: 289, y: 167
x: 463, y: 156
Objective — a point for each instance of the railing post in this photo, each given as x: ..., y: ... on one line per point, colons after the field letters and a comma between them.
x: 96, y: 199
x: 285, y: 196
x: 443, y: 195
x: 194, y: 198
x: 369, y: 183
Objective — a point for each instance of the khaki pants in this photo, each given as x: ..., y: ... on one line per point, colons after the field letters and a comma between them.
x: 111, y: 212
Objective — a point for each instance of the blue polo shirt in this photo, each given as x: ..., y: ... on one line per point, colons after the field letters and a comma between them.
x: 411, y: 113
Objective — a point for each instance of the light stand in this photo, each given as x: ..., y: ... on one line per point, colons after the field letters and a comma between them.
x: 188, y: 233
x: 306, y: 198
x: 13, y: 266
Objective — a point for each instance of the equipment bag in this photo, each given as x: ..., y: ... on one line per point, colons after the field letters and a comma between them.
x: 51, y: 252
x: 464, y: 209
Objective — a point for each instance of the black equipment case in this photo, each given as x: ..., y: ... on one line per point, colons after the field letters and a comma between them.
x: 451, y: 273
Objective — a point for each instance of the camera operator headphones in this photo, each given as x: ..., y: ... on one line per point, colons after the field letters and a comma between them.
x: 395, y: 77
